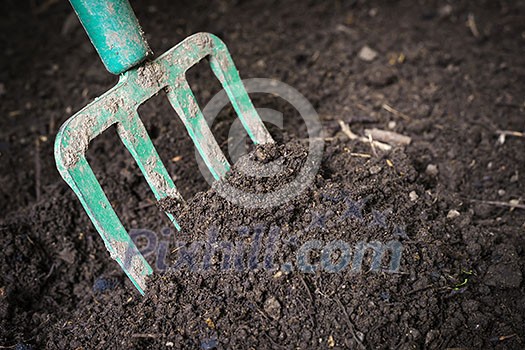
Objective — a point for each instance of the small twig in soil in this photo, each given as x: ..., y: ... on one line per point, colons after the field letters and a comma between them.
x: 504, y: 133
x: 361, y: 155
x: 310, y: 139
x: 274, y: 344
x: 471, y: 22
x: 51, y: 127
x: 148, y: 204
x: 312, y: 322
x: 363, y: 108
x: 371, y: 140
x: 350, y: 324
x: 50, y: 272
x: 144, y: 335
x: 419, y: 289
x: 38, y: 170
x: 310, y: 296
x: 263, y: 314
x: 511, y: 204
x: 510, y: 133
x: 395, y: 112
x: 389, y: 137
x: 348, y: 132
x: 505, y: 337
x: 307, y: 288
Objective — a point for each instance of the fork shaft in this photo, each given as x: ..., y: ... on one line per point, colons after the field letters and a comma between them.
x: 114, y: 31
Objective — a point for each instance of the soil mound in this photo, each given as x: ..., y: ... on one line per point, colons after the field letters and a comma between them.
x: 363, y: 257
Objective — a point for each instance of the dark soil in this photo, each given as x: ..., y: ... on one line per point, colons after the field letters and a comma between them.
x: 460, y: 281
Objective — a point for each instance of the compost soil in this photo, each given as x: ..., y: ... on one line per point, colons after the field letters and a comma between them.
x: 448, y: 75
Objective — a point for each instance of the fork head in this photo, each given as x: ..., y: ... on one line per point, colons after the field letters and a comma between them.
x: 118, y: 107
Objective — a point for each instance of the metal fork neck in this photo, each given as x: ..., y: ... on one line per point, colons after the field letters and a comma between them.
x: 115, y: 32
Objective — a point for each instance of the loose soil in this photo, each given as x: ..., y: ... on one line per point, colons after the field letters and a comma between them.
x: 447, y: 85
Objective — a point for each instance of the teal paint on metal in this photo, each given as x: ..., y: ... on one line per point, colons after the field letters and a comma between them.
x: 115, y: 32
x: 118, y: 107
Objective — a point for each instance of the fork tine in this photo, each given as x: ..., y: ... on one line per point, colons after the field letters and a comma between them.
x: 185, y: 104
x: 136, y: 139
x: 116, y: 239
x: 224, y: 69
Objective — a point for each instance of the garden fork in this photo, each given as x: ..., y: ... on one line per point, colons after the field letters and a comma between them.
x: 115, y: 32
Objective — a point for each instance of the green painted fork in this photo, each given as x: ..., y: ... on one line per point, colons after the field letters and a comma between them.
x: 119, y: 41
